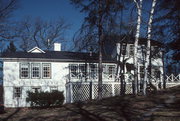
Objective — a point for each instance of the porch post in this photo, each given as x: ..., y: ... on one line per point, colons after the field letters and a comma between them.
x: 92, y: 90
x: 71, y: 92
x: 161, y: 77
x: 113, y: 94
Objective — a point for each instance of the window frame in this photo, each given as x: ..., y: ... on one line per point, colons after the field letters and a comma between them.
x: 131, y: 53
x: 156, y: 51
x: 93, y: 74
x: 141, y: 72
x: 15, y: 92
x: 53, y: 88
x: 33, y: 89
x: 112, y: 71
x: 124, y: 49
x: 156, y: 72
x: 35, y: 70
x: 20, y: 71
x: 43, y: 77
x: 82, y: 70
x: 77, y: 71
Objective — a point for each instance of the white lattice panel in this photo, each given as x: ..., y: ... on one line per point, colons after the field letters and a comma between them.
x: 117, y: 88
x: 128, y: 89
x: 106, y: 90
x: 81, y: 92
x: 95, y: 91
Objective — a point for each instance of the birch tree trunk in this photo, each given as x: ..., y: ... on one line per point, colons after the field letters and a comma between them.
x: 148, y: 50
x: 139, y: 10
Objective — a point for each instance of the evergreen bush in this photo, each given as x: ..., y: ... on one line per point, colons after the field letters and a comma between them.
x: 45, y: 99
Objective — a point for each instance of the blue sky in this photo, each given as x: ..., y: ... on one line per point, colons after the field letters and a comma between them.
x: 51, y: 10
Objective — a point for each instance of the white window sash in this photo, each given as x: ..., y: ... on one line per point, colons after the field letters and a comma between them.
x: 22, y: 68
x: 34, y: 73
x: 46, y: 74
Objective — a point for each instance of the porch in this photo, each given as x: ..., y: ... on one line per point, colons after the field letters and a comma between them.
x: 82, y: 91
x: 76, y: 91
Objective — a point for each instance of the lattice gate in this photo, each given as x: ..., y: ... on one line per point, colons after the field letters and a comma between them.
x: 106, y: 90
x: 81, y: 92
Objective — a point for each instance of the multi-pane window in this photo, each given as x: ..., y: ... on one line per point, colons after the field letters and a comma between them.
x: 35, y: 67
x: 141, y: 72
x: 156, y: 52
x: 131, y: 50
x: 36, y: 89
x: 53, y: 88
x: 111, y: 71
x: 82, y: 70
x: 156, y: 72
x: 143, y: 50
x: 124, y: 49
x: 46, y: 70
x: 24, y: 70
x: 17, y: 92
x: 92, y: 71
x: 73, y: 70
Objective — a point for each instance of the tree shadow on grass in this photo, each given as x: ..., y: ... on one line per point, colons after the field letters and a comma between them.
x: 98, y: 111
x: 12, y: 114
x: 86, y: 115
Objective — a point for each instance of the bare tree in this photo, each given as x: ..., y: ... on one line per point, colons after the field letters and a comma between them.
x: 6, y: 9
x: 139, y: 12
x: 99, y: 14
x: 147, y: 61
x: 40, y: 33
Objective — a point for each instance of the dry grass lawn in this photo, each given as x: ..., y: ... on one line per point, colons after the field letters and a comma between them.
x: 162, y: 106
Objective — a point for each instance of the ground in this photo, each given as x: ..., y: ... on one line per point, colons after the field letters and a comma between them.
x: 164, y: 105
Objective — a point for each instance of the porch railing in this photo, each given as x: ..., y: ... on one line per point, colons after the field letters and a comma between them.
x: 172, y: 80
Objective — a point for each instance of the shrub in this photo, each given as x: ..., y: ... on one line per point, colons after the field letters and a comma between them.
x: 45, y: 99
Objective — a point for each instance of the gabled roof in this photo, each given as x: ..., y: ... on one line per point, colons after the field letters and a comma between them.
x: 62, y: 56
x: 35, y: 50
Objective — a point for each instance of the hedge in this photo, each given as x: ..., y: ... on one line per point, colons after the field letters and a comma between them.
x: 45, y: 99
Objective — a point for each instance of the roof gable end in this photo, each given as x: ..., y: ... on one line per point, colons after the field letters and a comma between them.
x: 35, y: 50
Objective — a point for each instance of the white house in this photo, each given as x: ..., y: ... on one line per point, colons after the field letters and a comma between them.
x: 71, y: 72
